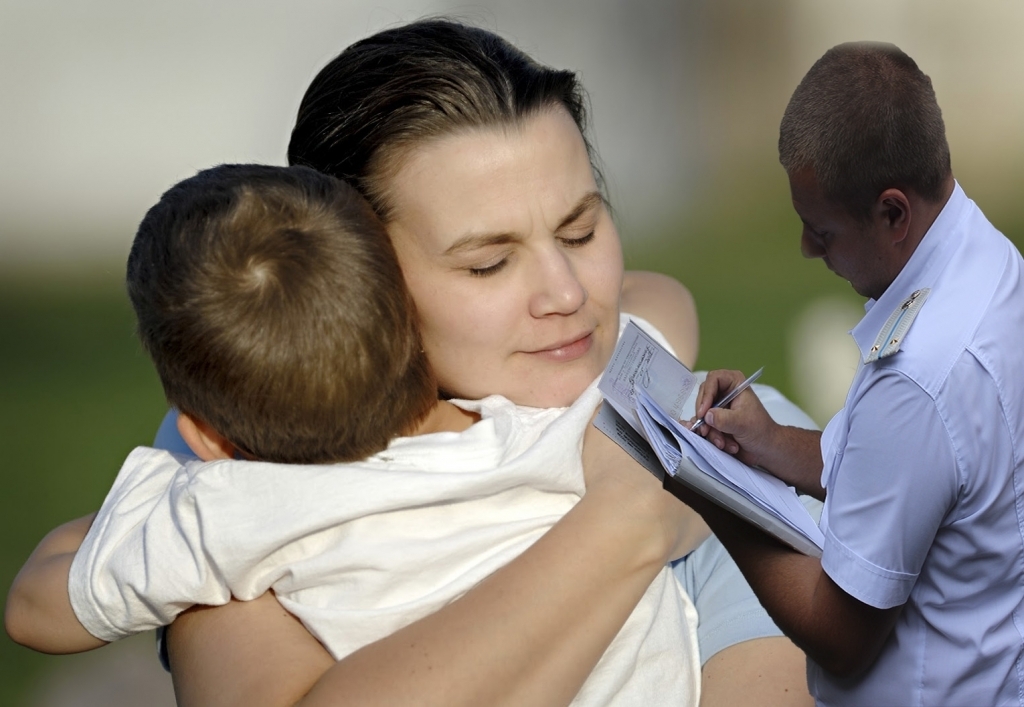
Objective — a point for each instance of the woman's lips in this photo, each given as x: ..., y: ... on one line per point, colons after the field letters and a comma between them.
x: 569, y: 351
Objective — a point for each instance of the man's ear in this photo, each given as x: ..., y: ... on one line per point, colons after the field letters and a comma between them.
x: 893, y: 208
x: 206, y: 442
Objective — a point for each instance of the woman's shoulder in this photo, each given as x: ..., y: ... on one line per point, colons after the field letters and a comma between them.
x: 668, y: 305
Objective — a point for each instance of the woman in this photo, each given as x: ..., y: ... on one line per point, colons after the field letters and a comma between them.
x: 475, y: 158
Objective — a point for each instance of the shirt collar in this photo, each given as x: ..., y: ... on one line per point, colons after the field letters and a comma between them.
x: 923, y: 268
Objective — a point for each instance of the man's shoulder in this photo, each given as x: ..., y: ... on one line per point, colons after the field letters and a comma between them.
x: 973, y: 308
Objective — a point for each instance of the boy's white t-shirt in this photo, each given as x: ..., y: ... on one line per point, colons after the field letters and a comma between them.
x: 357, y: 551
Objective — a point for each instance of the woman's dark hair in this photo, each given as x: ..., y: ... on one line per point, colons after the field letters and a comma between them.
x: 432, y: 78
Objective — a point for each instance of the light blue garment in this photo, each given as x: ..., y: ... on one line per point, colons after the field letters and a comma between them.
x: 728, y: 613
x: 924, y: 469
x: 168, y: 437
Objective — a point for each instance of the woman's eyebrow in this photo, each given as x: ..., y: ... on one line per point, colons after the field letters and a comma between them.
x: 473, y: 241
x: 589, y: 201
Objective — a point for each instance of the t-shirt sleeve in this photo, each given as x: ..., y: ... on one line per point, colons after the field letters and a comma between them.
x: 895, y: 482
x: 142, y: 563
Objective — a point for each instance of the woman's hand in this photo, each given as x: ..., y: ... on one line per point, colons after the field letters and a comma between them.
x: 610, y: 471
x: 582, y: 580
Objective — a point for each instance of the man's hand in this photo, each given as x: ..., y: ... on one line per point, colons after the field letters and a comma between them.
x: 747, y: 431
x: 744, y: 429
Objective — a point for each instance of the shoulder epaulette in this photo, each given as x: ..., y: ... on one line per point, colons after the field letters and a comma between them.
x: 891, y: 335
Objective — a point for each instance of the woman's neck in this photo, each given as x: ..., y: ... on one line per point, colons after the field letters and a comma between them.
x: 445, y: 417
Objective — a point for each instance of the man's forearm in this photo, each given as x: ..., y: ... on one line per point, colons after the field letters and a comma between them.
x: 795, y: 457
x: 838, y: 632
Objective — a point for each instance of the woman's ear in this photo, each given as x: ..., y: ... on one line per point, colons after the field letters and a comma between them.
x: 206, y: 442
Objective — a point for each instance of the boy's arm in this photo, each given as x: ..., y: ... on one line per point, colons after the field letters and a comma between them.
x: 38, y: 612
x: 131, y: 567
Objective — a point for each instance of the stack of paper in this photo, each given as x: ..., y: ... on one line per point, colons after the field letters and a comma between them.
x: 674, y: 444
x: 637, y: 382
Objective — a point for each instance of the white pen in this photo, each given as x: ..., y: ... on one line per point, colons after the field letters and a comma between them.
x: 731, y: 395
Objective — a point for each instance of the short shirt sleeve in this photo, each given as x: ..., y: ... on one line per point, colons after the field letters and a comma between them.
x: 892, y: 486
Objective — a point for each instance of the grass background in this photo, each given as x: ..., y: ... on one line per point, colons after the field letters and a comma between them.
x: 77, y: 392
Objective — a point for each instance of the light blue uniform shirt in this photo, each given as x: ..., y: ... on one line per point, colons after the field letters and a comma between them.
x: 924, y: 469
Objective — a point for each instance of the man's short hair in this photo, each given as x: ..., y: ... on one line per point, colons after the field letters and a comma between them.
x: 273, y: 307
x: 865, y: 119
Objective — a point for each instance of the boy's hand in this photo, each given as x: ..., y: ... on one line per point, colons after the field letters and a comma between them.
x: 38, y: 612
x: 610, y: 472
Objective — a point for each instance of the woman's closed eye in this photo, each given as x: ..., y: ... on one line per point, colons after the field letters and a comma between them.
x: 577, y: 242
x: 487, y: 270
x: 498, y: 265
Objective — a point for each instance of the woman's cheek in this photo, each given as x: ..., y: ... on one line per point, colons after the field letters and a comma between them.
x: 605, y: 273
x: 465, y: 341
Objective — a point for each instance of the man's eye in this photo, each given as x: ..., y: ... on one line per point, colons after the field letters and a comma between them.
x: 489, y: 270
x: 577, y: 242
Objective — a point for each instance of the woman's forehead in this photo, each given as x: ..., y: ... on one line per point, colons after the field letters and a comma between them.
x: 495, y: 179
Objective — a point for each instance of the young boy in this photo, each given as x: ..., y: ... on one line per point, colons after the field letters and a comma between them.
x: 276, y: 315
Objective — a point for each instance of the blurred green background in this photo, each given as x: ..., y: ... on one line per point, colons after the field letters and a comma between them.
x: 76, y: 391
x: 76, y: 394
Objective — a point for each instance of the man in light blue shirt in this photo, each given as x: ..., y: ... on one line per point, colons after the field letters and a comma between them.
x: 918, y: 596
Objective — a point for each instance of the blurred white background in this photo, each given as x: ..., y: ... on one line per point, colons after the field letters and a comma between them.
x: 105, y: 104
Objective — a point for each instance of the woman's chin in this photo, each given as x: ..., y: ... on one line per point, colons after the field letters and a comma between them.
x: 558, y: 393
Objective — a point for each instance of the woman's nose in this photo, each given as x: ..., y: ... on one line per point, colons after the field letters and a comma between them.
x: 558, y: 289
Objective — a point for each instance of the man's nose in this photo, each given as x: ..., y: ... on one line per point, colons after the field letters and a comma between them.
x: 810, y: 245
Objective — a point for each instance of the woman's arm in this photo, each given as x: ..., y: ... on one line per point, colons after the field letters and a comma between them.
x: 768, y: 671
x: 38, y: 611
x: 529, y: 634
x: 668, y: 305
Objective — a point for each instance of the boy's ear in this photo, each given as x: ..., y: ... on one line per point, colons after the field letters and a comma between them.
x: 206, y: 442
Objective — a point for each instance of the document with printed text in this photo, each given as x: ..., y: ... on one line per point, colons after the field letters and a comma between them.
x: 645, y: 388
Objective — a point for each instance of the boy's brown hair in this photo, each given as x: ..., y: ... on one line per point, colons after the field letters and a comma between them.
x: 273, y: 307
